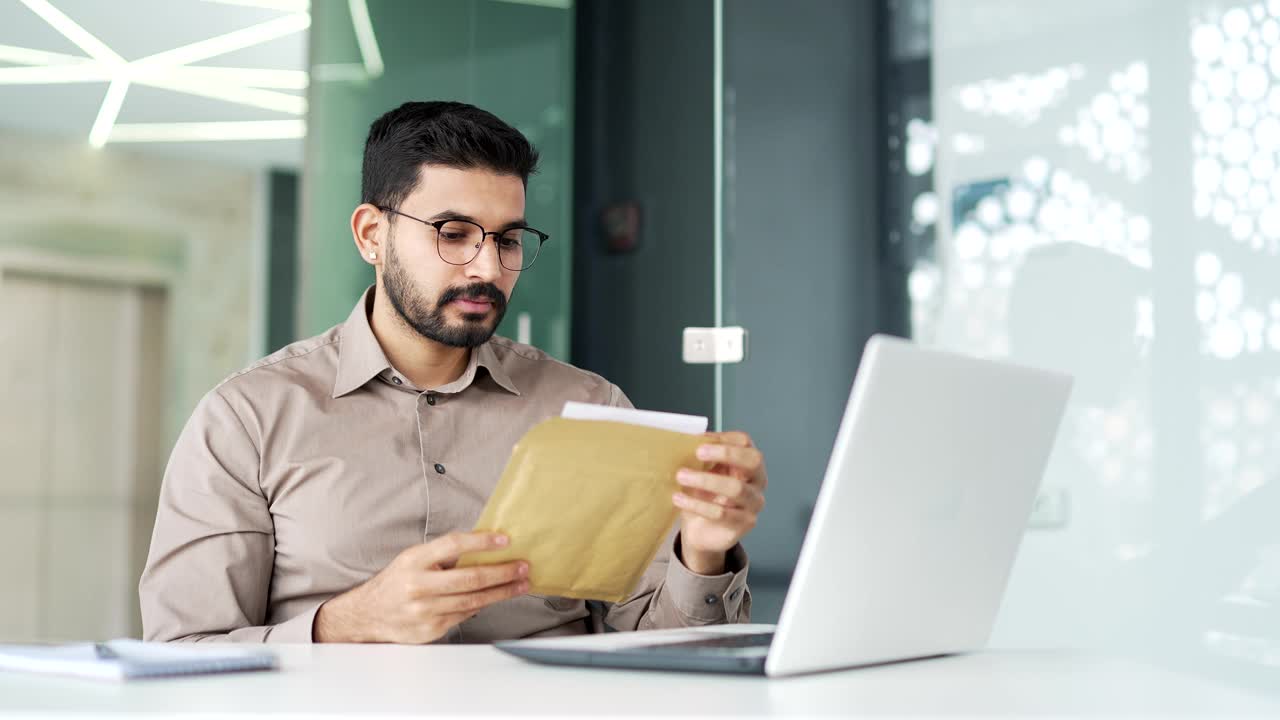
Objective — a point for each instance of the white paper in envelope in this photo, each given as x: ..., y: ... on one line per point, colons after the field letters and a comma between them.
x: 688, y: 424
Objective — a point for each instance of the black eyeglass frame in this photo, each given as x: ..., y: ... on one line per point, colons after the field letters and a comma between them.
x: 438, y: 224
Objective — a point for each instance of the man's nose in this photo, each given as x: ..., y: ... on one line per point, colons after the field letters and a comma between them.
x: 486, y: 265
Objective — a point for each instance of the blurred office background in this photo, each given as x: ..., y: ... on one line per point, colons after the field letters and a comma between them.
x: 1090, y: 186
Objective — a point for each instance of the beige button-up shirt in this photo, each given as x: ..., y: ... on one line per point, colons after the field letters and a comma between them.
x: 305, y: 474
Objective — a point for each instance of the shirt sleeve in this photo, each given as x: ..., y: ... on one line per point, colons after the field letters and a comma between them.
x: 670, y: 595
x: 208, y: 573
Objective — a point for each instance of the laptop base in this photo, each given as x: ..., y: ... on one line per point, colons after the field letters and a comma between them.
x: 630, y: 660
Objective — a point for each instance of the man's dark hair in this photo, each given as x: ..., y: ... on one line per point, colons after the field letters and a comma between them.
x: 451, y: 134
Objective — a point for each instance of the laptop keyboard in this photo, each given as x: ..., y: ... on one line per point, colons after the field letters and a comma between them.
x: 723, y: 644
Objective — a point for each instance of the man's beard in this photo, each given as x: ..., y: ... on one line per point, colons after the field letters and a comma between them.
x: 428, y: 320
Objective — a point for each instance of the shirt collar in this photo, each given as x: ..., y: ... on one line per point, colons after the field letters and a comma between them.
x: 360, y: 357
x: 485, y: 357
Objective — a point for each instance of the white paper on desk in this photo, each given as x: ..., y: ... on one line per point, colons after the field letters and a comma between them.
x: 133, y: 659
x: 687, y: 424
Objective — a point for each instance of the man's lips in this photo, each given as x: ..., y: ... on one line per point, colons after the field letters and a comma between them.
x: 476, y: 305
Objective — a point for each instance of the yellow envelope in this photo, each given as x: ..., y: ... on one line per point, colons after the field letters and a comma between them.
x: 587, y: 503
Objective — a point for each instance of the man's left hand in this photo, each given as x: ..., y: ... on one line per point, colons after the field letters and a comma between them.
x: 719, y: 506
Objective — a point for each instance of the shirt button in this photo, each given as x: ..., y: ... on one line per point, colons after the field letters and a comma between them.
x: 431, y: 399
x: 396, y: 380
x: 734, y: 595
x: 711, y: 599
x: 439, y: 468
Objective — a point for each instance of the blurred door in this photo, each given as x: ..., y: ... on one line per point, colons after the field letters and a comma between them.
x: 81, y: 388
x: 800, y: 262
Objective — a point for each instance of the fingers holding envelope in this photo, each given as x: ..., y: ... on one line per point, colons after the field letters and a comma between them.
x: 721, y: 503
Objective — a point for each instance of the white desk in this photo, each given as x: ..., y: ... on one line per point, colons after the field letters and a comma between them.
x: 478, y: 680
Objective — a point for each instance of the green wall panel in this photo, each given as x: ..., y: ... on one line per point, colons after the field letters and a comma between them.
x: 513, y: 59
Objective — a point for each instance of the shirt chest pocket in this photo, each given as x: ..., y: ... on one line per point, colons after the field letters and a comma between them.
x: 336, y: 523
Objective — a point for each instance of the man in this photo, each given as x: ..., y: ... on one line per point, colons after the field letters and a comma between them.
x: 324, y: 493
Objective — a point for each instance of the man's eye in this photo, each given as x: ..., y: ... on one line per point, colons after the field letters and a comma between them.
x: 453, y: 236
x: 511, y: 242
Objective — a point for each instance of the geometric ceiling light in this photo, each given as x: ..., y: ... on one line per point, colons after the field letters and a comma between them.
x: 173, y: 70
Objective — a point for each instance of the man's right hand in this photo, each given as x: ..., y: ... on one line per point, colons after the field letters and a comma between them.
x: 420, y: 595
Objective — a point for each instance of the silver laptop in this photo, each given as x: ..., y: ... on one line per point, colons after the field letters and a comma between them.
x: 925, y: 499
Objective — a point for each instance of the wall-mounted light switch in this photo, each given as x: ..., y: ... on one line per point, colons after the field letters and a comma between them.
x: 714, y: 345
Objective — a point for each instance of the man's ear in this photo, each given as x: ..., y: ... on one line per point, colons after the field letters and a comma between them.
x: 367, y: 230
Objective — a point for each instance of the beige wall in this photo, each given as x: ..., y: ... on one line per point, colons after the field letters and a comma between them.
x: 197, y: 220
x: 89, y: 427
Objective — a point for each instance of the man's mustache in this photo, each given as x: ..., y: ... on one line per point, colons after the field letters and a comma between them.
x: 478, y: 291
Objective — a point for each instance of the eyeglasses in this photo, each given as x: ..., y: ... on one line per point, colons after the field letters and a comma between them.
x: 459, y: 241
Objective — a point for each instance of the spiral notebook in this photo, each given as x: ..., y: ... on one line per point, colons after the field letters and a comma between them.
x: 131, y: 659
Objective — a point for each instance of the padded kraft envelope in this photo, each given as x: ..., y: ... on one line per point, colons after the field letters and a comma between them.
x: 587, y: 503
